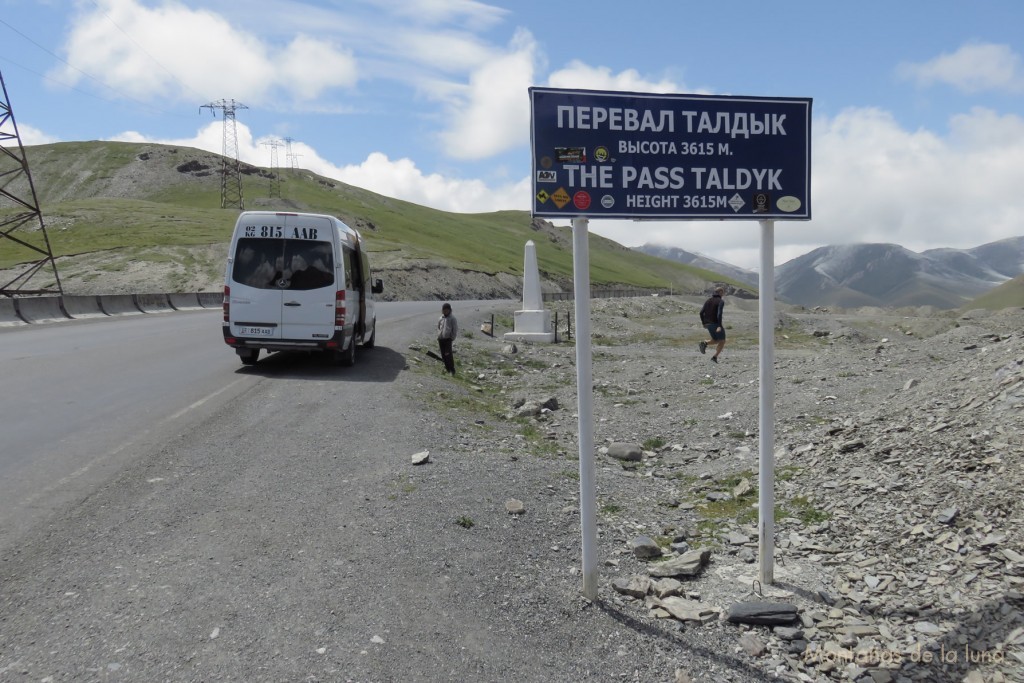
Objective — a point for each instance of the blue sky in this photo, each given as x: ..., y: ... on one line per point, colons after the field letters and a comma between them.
x: 918, y: 128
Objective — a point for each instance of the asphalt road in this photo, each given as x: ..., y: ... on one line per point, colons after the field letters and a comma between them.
x: 169, y: 514
x: 82, y: 398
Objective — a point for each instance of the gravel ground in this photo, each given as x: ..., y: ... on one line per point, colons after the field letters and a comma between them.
x: 886, y: 421
x: 283, y: 542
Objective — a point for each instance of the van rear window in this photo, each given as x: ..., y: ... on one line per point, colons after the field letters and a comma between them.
x: 270, y: 263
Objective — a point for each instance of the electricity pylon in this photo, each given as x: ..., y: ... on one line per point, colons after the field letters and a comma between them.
x: 231, y: 170
x: 275, y: 171
x: 293, y: 159
x: 18, y: 191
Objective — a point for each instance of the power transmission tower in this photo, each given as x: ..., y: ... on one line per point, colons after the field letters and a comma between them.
x: 275, y: 171
x: 231, y: 170
x: 293, y: 159
x: 18, y: 190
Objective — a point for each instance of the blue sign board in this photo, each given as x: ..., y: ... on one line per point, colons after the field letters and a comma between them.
x: 599, y: 154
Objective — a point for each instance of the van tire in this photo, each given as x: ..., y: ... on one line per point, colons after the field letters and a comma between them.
x: 346, y: 358
x: 251, y: 357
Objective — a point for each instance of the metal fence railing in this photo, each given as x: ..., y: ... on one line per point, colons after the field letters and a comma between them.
x: 603, y: 294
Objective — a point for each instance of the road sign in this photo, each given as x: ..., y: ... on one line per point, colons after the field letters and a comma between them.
x: 599, y: 154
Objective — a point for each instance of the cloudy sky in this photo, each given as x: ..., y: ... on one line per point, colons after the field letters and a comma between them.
x: 918, y: 114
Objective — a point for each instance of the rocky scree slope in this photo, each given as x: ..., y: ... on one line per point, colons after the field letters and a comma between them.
x: 897, y: 485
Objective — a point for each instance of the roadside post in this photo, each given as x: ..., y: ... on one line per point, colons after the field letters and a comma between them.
x: 644, y: 156
x: 766, y: 407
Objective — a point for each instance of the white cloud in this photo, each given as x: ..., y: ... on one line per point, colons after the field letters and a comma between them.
x: 402, y: 179
x: 447, y: 51
x: 875, y: 182
x: 582, y: 76
x: 973, y: 68
x: 32, y: 136
x: 492, y: 113
x: 210, y: 138
x: 308, y: 67
x: 172, y: 51
x: 476, y: 15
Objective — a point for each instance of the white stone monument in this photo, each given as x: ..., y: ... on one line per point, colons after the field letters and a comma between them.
x: 532, y: 323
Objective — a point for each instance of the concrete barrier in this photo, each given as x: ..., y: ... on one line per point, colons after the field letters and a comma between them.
x: 184, y: 302
x: 78, y: 306
x: 119, y: 304
x: 39, y: 309
x: 211, y: 299
x: 8, y: 313
x: 153, y: 303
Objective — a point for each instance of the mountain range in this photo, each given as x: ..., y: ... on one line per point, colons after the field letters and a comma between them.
x: 887, y: 275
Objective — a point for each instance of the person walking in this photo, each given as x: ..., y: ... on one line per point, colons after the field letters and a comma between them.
x: 711, y: 318
x: 447, y: 330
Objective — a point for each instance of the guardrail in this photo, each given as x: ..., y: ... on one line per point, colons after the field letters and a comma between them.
x: 603, y: 294
x: 28, y: 310
x: 40, y: 309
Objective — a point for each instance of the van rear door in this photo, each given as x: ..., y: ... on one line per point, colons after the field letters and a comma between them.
x: 308, y: 289
x: 256, y: 270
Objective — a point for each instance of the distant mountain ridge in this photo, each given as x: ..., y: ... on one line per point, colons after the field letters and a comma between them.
x: 886, y: 275
x: 747, y: 277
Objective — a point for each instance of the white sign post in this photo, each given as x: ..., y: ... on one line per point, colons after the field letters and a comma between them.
x: 766, y: 401
x: 585, y: 403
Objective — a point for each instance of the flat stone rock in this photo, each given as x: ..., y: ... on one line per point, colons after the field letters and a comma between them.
x: 644, y: 548
x: 736, y: 538
x: 687, y: 564
x: 752, y: 645
x: 629, y: 452
x: 421, y: 458
x: 633, y: 586
x: 686, y: 610
x: 514, y: 506
x: 947, y: 516
x: 788, y: 632
x: 743, y: 487
x: 766, y: 613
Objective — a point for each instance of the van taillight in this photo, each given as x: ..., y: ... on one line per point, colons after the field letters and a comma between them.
x: 227, y: 304
x: 339, y: 308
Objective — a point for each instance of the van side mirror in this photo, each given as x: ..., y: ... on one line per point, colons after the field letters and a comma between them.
x: 378, y: 286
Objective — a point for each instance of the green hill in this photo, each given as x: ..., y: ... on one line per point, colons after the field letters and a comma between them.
x: 147, y: 217
x: 1010, y: 294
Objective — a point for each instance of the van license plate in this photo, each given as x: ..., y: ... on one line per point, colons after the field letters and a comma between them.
x: 255, y: 331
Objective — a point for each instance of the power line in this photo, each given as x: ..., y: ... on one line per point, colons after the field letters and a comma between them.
x: 72, y: 66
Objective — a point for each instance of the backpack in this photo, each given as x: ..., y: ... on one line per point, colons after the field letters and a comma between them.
x: 707, y: 312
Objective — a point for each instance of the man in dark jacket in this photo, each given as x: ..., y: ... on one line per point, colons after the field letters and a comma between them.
x: 711, y: 318
x: 447, y: 331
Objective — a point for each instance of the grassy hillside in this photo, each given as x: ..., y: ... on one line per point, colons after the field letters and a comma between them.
x: 1007, y: 295
x: 113, y: 207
